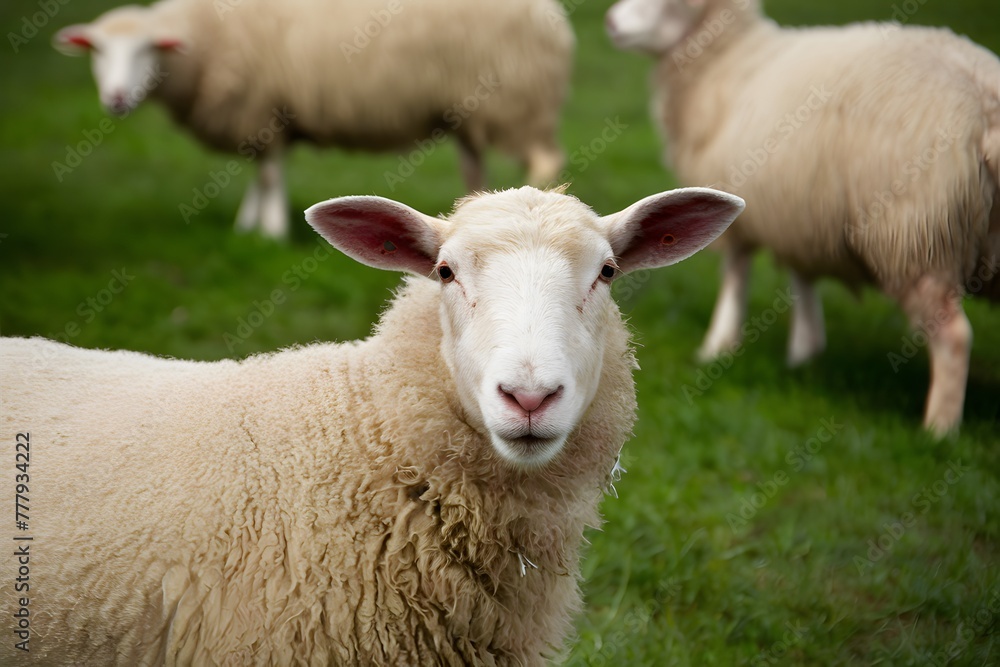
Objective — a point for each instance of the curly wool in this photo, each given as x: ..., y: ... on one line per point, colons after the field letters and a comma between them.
x: 320, y: 505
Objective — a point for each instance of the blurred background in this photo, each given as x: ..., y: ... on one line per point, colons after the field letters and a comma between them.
x: 761, y: 520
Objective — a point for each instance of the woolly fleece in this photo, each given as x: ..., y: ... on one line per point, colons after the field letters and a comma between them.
x: 890, y: 171
x: 321, y: 505
x: 494, y: 73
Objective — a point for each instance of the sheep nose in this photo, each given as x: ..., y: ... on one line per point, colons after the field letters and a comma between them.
x: 117, y: 103
x: 530, y: 400
x: 609, y: 24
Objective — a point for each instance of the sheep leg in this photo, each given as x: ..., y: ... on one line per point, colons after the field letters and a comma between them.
x: 808, y: 337
x: 731, y: 306
x: 471, y: 163
x: 543, y: 164
x: 273, y: 200
x: 249, y: 211
x: 935, y: 308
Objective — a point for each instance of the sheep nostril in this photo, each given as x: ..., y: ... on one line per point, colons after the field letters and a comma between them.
x: 118, y: 103
x: 530, y: 400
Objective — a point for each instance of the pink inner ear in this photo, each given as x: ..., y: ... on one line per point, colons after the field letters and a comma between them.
x: 78, y: 40
x: 169, y: 44
x: 378, y: 239
x: 674, y: 228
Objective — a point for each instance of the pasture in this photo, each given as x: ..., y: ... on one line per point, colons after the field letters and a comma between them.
x: 768, y: 516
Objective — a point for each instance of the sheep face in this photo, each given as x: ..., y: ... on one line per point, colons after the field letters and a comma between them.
x: 653, y: 26
x: 525, y: 299
x: 525, y: 292
x: 125, y: 55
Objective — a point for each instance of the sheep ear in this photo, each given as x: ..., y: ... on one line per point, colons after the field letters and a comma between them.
x: 73, y: 40
x: 171, y: 44
x: 664, y: 229
x: 379, y: 232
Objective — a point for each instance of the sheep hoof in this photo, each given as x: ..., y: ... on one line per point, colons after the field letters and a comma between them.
x: 800, y: 357
x: 709, y: 353
x: 941, y: 428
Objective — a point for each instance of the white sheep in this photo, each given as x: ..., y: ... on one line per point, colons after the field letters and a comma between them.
x: 252, y: 76
x: 415, y: 498
x: 868, y: 153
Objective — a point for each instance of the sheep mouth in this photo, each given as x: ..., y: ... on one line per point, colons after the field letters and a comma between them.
x: 528, y: 450
x: 118, y: 109
x: 529, y: 442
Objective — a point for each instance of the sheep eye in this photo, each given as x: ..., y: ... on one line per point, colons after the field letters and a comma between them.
x: 608, y: 272
x: 445, y: 273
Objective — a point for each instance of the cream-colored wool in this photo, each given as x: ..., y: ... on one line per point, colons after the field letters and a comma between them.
x: 327, y: 504
x: 884, y: 96
x: 321, y: 505
x: 869, y: 153
x: 421, y: 71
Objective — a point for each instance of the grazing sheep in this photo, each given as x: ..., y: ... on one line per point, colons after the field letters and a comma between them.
x: 252, y: 76
x: 868, y: 153
x: 415, y: 498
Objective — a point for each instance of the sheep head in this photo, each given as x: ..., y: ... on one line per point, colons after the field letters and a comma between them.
x: 657, y: 26
x: 525, y: 291
x: 653, y: 26
x: 125, y: 46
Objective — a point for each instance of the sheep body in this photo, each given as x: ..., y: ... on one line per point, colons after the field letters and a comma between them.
x: 277, y: 514
x: 253, y: 77
x: 868, y: 153
x: 418, y: 497
x: 935, y: 165
x: 412, y: 77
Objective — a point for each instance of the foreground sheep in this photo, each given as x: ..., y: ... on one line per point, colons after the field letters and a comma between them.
x: 416, y: 498
x: 868, y: 153
x: 252, y: 76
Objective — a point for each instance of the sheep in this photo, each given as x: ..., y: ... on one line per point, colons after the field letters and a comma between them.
x: 252, y: 76
x: 415, y: 498
x: 868, y: 153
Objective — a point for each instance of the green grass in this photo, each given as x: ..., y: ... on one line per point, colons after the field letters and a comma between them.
x: 677, y: 576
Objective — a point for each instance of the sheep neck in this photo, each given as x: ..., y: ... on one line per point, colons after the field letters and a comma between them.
x: 508, y: 539
x: 681, y: 71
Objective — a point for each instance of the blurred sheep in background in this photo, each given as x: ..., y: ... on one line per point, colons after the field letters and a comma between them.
x: 253, y: 76
x: 868, y: 153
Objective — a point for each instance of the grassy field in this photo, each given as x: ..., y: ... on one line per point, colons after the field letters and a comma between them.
x: 773, y: 517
